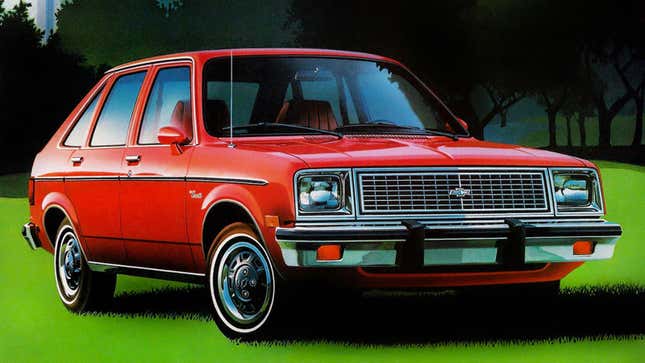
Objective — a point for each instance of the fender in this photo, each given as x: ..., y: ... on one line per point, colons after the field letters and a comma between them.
x: 234, y: 193
x: 62, y: 202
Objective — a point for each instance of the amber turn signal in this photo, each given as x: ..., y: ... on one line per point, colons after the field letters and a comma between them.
x: 272, y: 221
x: 329, y: 253
x: 583, y: 247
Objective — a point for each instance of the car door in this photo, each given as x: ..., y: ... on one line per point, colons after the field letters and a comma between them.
x: 153, y: 195
x: 93, y: 183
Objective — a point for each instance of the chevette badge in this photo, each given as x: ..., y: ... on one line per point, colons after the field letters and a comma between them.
x: 194, y: 194
x: 459, y: 192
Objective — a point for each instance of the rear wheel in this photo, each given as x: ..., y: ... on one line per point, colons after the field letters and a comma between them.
x: 241, y: 282
x: 79, y: 288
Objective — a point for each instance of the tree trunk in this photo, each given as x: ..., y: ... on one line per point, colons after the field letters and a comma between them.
x: 551, y: 115
x: 569, y: 143
x: 604, y: 130
x: 502, y: 118
x: 638, y: 132
x: 581, y: 128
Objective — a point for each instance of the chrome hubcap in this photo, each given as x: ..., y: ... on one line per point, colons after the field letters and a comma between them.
x: 244, y: 283
x: 69, y: 264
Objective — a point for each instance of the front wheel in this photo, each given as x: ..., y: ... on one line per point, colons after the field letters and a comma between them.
x: 79, y: 288
x: 241, y: 282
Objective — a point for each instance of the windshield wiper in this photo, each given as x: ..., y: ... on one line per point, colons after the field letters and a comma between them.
x: 269, y: 125
x: 390, y: 125
x: 442, y: 133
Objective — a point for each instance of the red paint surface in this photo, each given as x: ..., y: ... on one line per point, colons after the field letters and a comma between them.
x: 158, y: 224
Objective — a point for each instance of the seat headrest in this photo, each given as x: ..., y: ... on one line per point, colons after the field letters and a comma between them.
x: 216, y: 116
x: 182, y: 118
x: 310, y: 113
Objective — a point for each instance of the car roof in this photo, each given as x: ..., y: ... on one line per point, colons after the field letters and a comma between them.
x: 207, y: 54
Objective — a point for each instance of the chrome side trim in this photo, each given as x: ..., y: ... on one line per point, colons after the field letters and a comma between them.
x: 259, y: 182
x: 49, y: 178
x: 90, y: 178
x: 145, y: 271
x: 206, y: 179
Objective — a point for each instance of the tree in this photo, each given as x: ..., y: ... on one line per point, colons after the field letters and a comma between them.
x: 40, y: 85
x: 108, y: 32
x: 611, y: 41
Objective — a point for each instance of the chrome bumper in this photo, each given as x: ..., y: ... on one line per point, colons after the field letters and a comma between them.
x: 30, y: 234
x: 413, y: 245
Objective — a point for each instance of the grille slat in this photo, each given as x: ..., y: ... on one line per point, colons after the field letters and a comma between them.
x: 429, y: 192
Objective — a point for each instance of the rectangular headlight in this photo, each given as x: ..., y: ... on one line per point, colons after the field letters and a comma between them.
x: 576, y: 191
x: 323, y: 192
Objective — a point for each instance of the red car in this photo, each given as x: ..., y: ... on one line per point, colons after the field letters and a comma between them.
x: 254, y: 170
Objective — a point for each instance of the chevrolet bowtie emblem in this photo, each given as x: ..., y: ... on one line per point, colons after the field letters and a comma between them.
x: 459, y: 192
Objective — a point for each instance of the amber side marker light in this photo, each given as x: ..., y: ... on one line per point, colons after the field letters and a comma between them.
x: 272, y: 221
x: 583, y: 247
x: 329, y: 253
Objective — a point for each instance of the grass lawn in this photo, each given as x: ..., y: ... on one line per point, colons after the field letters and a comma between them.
x: 34, y: 326
x: 533, y: 131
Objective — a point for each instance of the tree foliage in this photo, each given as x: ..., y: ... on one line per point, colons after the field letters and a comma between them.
x: 39, y: 85
x: 113, y: 32
x: 484, y: 56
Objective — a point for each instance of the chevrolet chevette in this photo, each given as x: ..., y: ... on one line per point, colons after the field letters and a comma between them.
x: 254, y: 171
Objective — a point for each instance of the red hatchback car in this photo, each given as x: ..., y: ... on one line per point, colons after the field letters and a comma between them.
x: 252, y: 170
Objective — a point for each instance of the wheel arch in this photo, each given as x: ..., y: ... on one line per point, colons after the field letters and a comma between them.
x: 220, y: 214
x: 56, y: 207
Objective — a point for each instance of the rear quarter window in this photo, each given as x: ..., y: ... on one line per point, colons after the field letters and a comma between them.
x: 77, y: 136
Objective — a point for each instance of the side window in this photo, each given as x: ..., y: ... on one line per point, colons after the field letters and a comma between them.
x: 77, y: 136
x: 112, y: 125
x: 168, y: 104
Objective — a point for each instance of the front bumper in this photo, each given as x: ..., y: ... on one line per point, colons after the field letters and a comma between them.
x: 30, y: 234
x: 411, y: 245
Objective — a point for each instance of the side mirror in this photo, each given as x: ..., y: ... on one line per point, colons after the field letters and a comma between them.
x: 463, y: 124
x: 170, y: 135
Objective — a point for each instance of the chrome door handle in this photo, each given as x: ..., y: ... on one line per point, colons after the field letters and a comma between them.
x: 77, y: 159
x: 133, y: 158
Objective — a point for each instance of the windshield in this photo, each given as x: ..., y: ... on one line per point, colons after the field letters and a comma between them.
x: 303, y: 95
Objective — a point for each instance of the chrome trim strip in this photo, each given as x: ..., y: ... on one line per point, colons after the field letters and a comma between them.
x: 151, y: 178
x: 91, y: 178
x: 248, y: 181
x: 259, y: 182
x: 104, y: 266
x: 349, y: 241
x: 149, y: 62
x: 457, y: 222
x: 49, y: 178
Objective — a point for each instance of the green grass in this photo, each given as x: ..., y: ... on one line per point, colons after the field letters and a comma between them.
x: 533, y: 131
x: 34, y: 326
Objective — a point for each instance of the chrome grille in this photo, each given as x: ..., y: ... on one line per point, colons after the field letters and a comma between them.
x: 430, y: 192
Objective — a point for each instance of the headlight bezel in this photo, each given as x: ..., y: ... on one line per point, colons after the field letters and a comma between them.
x: 595, y: 204
x: 345, y: 208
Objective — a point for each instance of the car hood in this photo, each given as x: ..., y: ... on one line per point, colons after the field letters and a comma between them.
x: 362, y: 151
